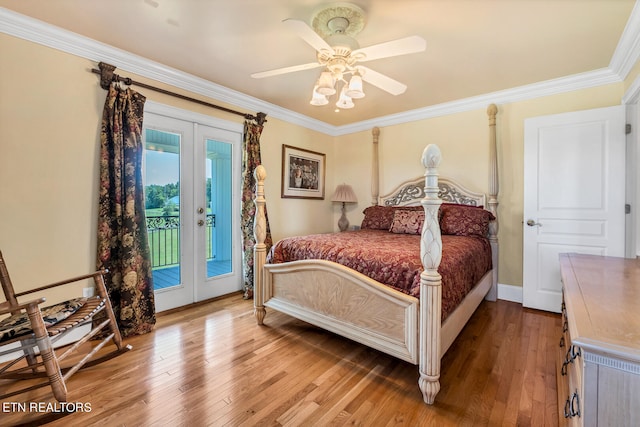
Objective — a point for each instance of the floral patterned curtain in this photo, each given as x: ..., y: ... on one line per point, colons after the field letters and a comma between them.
x: 123, y: 247
x: 250, y: 160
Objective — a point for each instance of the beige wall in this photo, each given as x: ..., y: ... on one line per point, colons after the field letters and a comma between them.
x: 50, y: 112
x: 463, y: 139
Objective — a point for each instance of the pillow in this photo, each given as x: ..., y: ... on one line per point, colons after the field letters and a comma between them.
x: 381, y: 217
x: 407, y: 221
x: 445, y: 205
x: 377, y: 217
x: 463, y: 220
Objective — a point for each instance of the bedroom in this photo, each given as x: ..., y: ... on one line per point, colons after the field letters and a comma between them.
x: 33, y: 74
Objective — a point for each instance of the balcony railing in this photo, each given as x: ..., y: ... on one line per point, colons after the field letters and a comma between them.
x: 164, y: 239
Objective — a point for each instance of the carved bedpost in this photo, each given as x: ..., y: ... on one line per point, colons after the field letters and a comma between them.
x: 375, y: 173
x: 260, y: 249
x: 430, y: 279
x: 492, y: 203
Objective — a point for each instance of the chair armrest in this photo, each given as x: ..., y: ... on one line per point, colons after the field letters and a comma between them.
x: 5, y: 307
x: 64, y: 282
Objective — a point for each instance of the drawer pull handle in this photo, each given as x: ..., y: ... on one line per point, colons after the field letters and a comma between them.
x: 567, y: 408
x: 572, y: 406
x: 565, y: 326
x: 575, y: 352
x: 571, y: 355
x: 561, y: 342
x: 575, y: 404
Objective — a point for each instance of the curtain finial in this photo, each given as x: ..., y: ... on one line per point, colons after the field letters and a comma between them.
x: 261, y: 118
x: 106, y: 75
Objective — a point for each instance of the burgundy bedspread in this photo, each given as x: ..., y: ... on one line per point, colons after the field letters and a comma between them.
x: 394, y: 259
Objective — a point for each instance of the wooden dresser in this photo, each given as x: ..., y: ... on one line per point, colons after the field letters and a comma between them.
x: 598, y: 369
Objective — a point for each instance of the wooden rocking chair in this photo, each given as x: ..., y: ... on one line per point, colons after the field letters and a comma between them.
x: 36, y: 331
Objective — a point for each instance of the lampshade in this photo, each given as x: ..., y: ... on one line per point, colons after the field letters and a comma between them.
x: 344, y: 193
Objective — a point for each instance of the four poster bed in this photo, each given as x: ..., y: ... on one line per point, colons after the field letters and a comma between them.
x: 397, y: 309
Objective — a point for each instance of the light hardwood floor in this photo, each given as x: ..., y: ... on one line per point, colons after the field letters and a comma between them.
x: 212, y: 365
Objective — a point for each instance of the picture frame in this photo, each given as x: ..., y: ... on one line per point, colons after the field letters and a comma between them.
x: 302, y: 173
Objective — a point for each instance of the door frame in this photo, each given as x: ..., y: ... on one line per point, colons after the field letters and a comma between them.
x: 631, y: 100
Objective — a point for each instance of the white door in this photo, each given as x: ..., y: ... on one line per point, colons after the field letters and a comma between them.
x: 218, y: 268
x: 574, y: 195
x: 191, y: 167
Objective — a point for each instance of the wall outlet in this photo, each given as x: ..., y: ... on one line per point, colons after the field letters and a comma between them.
x: 87, y: 292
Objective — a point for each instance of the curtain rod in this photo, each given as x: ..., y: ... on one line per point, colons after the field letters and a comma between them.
x: 107, y: 76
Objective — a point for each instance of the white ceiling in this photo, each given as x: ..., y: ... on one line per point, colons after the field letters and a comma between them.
x: 474, y: 47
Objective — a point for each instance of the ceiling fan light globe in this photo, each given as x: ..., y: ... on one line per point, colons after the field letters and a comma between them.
x: 326, y: 84
x: 317, y: 98
x: 319, y: 101
x: 345, y: 102
x: 355, y: 87
x: 327, y: 91
x: 355, y: 94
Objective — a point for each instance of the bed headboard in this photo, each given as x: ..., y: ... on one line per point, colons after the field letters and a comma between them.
x: 411, y: 192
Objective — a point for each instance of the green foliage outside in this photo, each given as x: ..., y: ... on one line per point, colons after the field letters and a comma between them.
x: 165, y: 243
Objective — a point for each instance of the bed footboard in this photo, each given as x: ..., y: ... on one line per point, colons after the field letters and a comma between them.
x: 348, y: 303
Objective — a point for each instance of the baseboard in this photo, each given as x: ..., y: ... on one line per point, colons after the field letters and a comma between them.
x: 510, y: 293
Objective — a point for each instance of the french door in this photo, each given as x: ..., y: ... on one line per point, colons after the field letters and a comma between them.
x: 191, y: 168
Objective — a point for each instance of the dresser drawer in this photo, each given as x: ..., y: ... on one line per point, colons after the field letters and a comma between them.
x: 600, y: 339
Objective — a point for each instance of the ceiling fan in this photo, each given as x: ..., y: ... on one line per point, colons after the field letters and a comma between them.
x: 332, y: 36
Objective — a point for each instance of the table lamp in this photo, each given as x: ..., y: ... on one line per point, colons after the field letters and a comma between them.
x: 344, y: 193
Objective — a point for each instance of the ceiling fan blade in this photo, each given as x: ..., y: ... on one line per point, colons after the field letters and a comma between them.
x: 307, y: 34
x: 385, y: 83
x: 411, y: 44
x: 285, y: 70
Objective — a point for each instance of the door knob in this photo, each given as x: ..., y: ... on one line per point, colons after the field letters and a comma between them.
x: 532, y: 223
x: 200, y: 222
x: 200, y: 210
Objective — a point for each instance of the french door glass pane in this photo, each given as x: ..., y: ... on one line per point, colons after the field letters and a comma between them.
x: 162, y: 194
x: 219, y: 209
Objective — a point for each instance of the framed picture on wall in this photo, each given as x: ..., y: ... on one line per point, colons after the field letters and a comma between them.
x: 302, y: 173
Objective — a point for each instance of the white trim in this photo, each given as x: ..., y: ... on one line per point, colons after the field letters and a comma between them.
x: 24, y: 27
x: 611, y: 361
x: 190, y: 116
x: 511, y: 293
x: 632, y: 95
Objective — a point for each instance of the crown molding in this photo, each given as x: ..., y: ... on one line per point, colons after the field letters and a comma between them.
x: 27, y: 28
x: 628, y: 49
x: 33, y: 30
x: 521, y: 93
